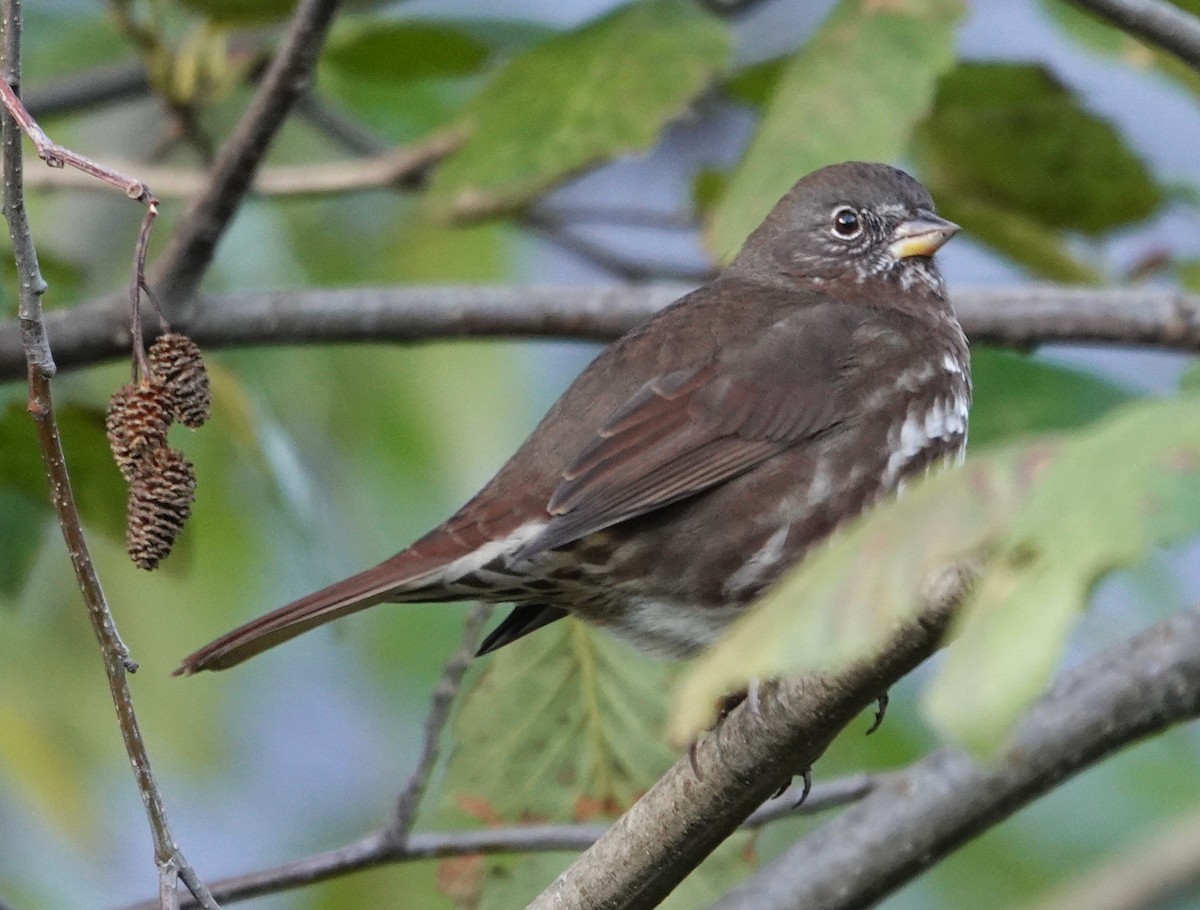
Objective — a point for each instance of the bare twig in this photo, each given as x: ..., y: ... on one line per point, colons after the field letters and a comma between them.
x: 615, y: 264
x: 1021, y: 316
x: 1156, y: 21
x: 195, y: 240
x: 398, y: 168
x: 915, y: 818
x: 1150, y: 874
x: 117, y: 661
x: 447, y: 687
x: 379, y: 849
x: 345, y: 130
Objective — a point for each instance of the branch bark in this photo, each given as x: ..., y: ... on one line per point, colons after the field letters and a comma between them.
x: 917, y: 817
x: 1023, y: 316
x: 1156, y: 21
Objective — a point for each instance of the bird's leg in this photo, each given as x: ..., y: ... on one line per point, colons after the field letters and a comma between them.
x: 881, y: 704
x: 806, y: 774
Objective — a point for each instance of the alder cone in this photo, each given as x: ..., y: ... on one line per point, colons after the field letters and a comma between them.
x: 136, y: 424
x: 178, y: 364
x: 160, y: 500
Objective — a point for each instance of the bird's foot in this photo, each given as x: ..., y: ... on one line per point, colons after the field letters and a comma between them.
x: 881, y: 704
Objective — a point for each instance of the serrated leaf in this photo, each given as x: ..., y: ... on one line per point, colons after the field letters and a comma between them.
x: 854, y: 91
x: 560, y: 725
x: 566, y: 724
x: 844, y: 599
x: 390, y: 50
x: 1017, y: 394
x: 576, y: 100
x: 1109, y: 495
x: 1010, y: 137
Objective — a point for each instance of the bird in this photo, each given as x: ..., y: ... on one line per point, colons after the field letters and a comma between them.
x: 707, y: 450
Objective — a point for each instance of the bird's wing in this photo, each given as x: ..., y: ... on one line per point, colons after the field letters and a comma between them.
x: 689, y: 430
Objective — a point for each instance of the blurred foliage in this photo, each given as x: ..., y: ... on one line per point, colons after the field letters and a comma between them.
x: 1030, y: 515
x: 322, y: 460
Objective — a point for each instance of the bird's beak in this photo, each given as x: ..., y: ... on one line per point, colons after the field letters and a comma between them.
x: 921, y: 236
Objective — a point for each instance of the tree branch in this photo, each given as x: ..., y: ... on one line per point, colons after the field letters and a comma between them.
x: 117, y: 663
x: 1021, y: 316
x: 378, y: 849
x: 915, y: 818
x: 195, y: 240
x: 1156, y: 21
x: 700, y: 801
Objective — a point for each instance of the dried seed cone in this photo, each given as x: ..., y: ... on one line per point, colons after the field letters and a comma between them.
x: 177, y: 363
x: 136, y: 423
x: 160, y: 499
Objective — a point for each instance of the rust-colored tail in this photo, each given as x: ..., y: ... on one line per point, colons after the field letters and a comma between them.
x: 386, y: 581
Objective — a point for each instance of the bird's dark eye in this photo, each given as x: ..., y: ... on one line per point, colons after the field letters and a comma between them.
x: 846, y: 223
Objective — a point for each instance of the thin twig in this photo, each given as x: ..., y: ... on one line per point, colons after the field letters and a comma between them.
x: 1162, y: 24
x: 343, y: 129
x: 597, y: 254
x: 1018, y: 316
x: 918, y: 816
x: 379, y: 849
x: 398, y: 168
x: 194, y: 242
x: 444, y: 692
x: 117, y: 661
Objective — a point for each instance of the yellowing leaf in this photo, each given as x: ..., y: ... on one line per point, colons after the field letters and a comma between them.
x: 845, y: 598
x: 1112, y: 493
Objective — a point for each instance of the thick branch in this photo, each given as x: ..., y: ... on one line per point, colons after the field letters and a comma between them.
x: 697, y: 804
x: 195, y: 240
x: 917, y: 817
x: 1010, y: 316
x: 1156, y: 21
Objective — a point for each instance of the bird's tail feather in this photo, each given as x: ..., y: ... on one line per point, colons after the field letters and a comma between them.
x: 367, y: 588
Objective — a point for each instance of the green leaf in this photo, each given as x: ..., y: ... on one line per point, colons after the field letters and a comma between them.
x: 1011, y: 137
x: 397, y: 51
x: 576, y: 100
x: 854, y: 91
x: 756, y: 84
x: 566, y: 725
x: 99, y: 490
x: 1106, y: 498
x: 1018, y: 394
x: 22, y: 523
x: 241, y: 12
x: 830, y: 610
x: 1023, y: 239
